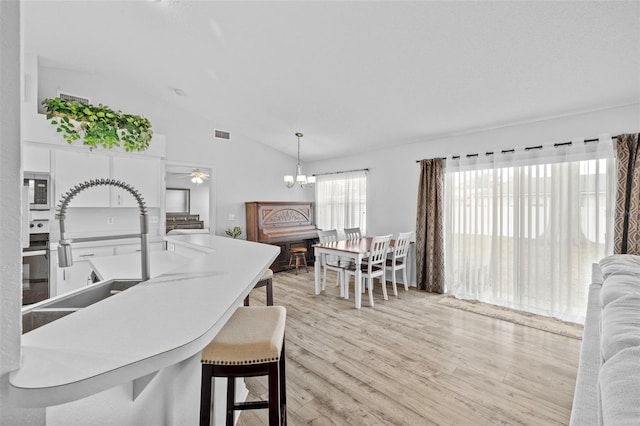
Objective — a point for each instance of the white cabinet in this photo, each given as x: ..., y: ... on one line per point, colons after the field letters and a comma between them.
x: 79, y: 274
x: 74, y: 167
x: 141, y: 173
x: 35, y: 158
x: 133, y: 248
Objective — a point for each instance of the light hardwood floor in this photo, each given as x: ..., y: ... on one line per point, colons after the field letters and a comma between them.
x: 412, y: 361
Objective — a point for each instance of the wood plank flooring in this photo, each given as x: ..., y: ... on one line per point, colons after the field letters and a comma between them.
x: 412, y: 361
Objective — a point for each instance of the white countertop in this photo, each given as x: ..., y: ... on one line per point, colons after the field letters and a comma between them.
x: 128, y: 266
x: 149, y: 327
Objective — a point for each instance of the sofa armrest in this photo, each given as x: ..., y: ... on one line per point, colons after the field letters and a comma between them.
x: 585, y: 410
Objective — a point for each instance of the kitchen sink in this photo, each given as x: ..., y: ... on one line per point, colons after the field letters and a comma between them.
x: 39, y: 314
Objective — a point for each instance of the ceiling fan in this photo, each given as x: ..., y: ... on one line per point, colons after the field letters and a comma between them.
x: 196, y: 175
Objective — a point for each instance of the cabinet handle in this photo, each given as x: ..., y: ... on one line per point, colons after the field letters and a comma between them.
x: 87, y: 255
x: 64, y: 274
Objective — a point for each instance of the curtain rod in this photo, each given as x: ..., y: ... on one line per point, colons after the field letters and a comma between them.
x: 527, y: 148
x: 343, y: 171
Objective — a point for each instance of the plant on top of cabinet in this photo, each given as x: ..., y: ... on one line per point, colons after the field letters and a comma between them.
x: 98, y: 125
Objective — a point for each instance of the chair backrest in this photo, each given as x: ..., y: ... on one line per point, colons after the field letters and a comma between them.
x: 401, y: 245
x: 352, y: 233
x: 329, y: 236
x: 378, y: 250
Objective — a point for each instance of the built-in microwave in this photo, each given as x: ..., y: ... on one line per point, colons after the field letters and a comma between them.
x: 39, y: 185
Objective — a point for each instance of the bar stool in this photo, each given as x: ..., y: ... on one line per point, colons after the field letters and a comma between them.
x: 298, y: 254
x: 265, y: 281
x: 250, y: 344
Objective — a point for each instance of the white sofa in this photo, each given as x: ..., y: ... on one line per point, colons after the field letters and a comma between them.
x: 607, y: 389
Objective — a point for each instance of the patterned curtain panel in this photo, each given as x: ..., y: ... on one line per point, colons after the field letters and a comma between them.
x: 429, y: 242
x: 627, y: 226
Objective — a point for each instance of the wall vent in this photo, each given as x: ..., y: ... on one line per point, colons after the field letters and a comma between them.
x: 79, y: 99
x: 221, y: 134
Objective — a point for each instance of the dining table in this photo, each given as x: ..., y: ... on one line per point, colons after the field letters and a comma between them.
x: 355, y: 250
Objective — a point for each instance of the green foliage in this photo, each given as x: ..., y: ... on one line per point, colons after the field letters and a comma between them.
x: 235, y: 232
x: 98, y: 125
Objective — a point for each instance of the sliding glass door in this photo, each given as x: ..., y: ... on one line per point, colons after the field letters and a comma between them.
x: 522, y: 230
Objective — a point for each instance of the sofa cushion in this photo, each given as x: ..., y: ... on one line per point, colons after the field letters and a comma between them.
x: 620, y: 324
x: 618, y: 285
x: 620, y: 264
x: 619, y: 381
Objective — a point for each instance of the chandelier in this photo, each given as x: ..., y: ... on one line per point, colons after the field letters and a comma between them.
x: 300, y: 179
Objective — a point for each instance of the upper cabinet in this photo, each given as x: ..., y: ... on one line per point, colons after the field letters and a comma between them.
x: 73, y: 167
x: 141, y: 173
x: 36, y: 158
x: 44, y: 150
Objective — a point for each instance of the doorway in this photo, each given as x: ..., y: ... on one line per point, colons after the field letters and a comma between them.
x: 198, y: 182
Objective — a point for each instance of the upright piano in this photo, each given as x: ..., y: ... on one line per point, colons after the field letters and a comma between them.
x: 285, y: 224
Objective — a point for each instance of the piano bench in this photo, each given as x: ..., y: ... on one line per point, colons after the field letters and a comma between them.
x: 299, y: 256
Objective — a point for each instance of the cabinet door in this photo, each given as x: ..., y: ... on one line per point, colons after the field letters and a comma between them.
x: 141, y: 173
x: 35, y: 159
x: 133, y: 248
x: 72, y: 168
x: 79, y: 274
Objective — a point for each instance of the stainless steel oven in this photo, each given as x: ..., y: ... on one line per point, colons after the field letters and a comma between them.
x: 35, y: 263
x: 39, y: 185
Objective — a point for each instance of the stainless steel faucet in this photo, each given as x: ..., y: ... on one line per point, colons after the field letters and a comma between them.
x: 64, y: 248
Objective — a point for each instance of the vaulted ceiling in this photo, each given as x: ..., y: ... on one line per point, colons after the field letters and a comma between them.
x: 353, y: 75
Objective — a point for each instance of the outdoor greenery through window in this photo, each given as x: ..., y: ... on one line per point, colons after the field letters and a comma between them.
x: 341, y: 201
x: 522, y: 230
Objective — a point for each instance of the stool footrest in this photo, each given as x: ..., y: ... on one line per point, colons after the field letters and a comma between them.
x: 250, y: 405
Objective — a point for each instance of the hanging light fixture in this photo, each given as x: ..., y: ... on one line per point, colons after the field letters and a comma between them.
x: 299, y: 179
x: 198, y: 176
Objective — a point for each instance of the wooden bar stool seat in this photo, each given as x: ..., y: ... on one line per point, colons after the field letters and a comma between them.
x: 265, y: 281
x: 298, y: 257
x: 250, y: 344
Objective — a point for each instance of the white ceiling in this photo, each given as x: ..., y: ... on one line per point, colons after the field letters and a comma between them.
x: 353, y: 75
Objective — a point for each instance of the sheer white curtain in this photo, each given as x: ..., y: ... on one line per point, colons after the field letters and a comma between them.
x: 341, y: 200
x: 522, y: 228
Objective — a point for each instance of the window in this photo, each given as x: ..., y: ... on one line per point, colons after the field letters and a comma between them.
x: 524, y: 230
x: 341, y: 200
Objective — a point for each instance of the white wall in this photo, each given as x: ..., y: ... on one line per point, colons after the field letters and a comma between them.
x: 244, y: 170
x: 10, y: 215
x: 392, y: 184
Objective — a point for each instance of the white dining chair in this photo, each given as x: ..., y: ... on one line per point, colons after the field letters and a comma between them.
x: 397, y: 260
x: 352, y: 233
x: 373, y: 268
x: 329, y: 262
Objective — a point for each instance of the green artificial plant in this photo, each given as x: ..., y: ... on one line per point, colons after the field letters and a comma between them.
x: 235, y: 232
x: 98, y: 125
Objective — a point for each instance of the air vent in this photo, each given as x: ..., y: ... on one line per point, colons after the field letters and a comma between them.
x: 68, y: 97
x: 221, y: 134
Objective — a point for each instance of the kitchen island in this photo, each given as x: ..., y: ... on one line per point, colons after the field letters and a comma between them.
x: 134, y: 358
